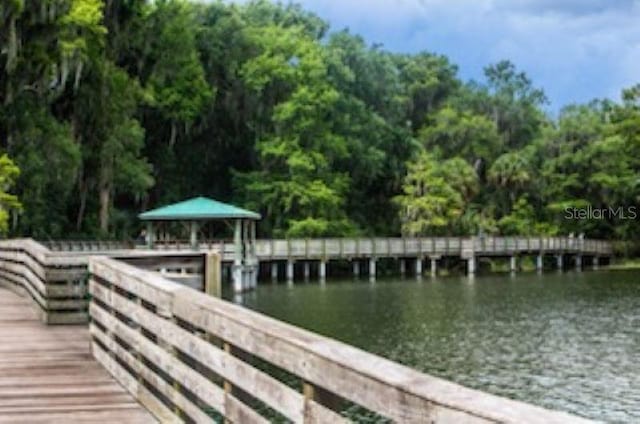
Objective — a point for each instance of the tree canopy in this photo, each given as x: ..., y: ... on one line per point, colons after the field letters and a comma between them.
x: 109, y: 108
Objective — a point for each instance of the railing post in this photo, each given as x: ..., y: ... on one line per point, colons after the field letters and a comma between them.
x: 164, y: 311
x: 212, y: 274
x: 226, y: 384
x: 309, y: 393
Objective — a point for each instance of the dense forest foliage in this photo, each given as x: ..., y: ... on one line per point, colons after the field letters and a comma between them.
x: 111, y: 107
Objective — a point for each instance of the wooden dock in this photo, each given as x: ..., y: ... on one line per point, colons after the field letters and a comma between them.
x: 187, y: 356
x: 48, y: 374
x: 416, y: 254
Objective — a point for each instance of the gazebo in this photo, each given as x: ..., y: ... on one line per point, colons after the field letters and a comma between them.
x: 199, y: 210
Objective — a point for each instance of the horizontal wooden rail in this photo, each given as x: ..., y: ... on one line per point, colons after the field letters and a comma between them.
x: 184, y: 354
x: 57, y: 281
x: 87, y: 245
x: 391, y: 247
x: 333, y: 248
x: 57, y: 287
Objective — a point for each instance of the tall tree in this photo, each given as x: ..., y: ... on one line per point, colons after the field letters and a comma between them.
x: 8, y: 202
x: 294, y: 184
x: 435, y: 195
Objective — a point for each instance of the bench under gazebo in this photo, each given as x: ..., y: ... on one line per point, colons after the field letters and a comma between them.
x: 195, y: 214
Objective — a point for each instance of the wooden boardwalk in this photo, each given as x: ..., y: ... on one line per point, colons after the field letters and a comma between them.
x: 48, y: 375
x: 184, y: 354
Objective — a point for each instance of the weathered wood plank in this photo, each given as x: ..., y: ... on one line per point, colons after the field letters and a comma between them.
x: 47, y: 373
x: 151, y: 377
x: 264, y: 387
x: 392, y: 390
x: 376, y: 383
x: 143, y: 284
x: 189, y: 378
x: 141, y: 393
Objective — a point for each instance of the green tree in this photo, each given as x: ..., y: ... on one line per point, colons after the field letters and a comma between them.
x: 435, y: 195
x: 8, y: 202
x: 294, y: 184
x: 468, y: 135
x: 428, y: 80
x: 176, y: 78
x: 112, y: 159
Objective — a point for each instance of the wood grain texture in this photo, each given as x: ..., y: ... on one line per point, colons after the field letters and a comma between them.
x: 390, y: 389
x: 47, y: 374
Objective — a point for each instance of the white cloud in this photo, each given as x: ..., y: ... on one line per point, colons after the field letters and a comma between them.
x: 574, y: 49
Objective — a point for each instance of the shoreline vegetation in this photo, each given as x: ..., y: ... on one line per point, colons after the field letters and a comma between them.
x: 110, y: 108
x: 624, y: 264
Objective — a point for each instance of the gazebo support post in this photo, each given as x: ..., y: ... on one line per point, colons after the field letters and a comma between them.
x: 193, y: 235
x: 150, y: 235
x: 246, y: 269
x: 254, y: 257
x: 237, y: 257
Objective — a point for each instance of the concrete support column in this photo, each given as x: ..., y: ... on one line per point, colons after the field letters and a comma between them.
x: 274, y: 271
x: 596, y: 262
x: 539, y: 263
x: 306, y: 270
x: 578, y: 262
x: 418, y: 267
x: 372, y: 267
x: 434, y: 266
x: 290, y: 270
x: 226, y: 273
x: 403, y: 267
x: 559, y: 261
x: 254, y: 276
x: 513, y: 263
x: 322, y: 270
x: 471, y: 265
x: 356, y: 267
x: 237, y: 278
x: 246, y: 278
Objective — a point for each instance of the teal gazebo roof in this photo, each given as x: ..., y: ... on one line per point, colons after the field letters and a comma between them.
x: 198, y: 208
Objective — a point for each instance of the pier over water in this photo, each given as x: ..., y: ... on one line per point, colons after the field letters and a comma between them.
x: 186, y: 355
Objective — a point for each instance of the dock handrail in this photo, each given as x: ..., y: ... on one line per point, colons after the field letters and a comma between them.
x: 182, y: 353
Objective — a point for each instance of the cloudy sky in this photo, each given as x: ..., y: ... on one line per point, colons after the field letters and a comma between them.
x: 575, y: 49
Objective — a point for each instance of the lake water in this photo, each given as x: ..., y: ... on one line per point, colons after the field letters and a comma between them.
x: 566, y: 341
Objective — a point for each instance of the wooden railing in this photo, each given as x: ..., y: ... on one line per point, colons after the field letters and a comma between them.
x: 347, y: 248
x: 187, y: 356
x: 57, y: 281
x: 57, y: 285
x: 87, y: 245
x: 427, y: 246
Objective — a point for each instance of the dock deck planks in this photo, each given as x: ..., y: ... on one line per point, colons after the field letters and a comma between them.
x: 47, y: 373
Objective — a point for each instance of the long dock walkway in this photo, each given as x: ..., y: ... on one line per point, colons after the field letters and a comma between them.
x: 47, y: 373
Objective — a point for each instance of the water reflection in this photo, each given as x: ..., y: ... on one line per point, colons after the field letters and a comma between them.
x: 566, y: 341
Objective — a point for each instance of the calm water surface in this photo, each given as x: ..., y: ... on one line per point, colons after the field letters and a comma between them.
x: 567, y: 341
